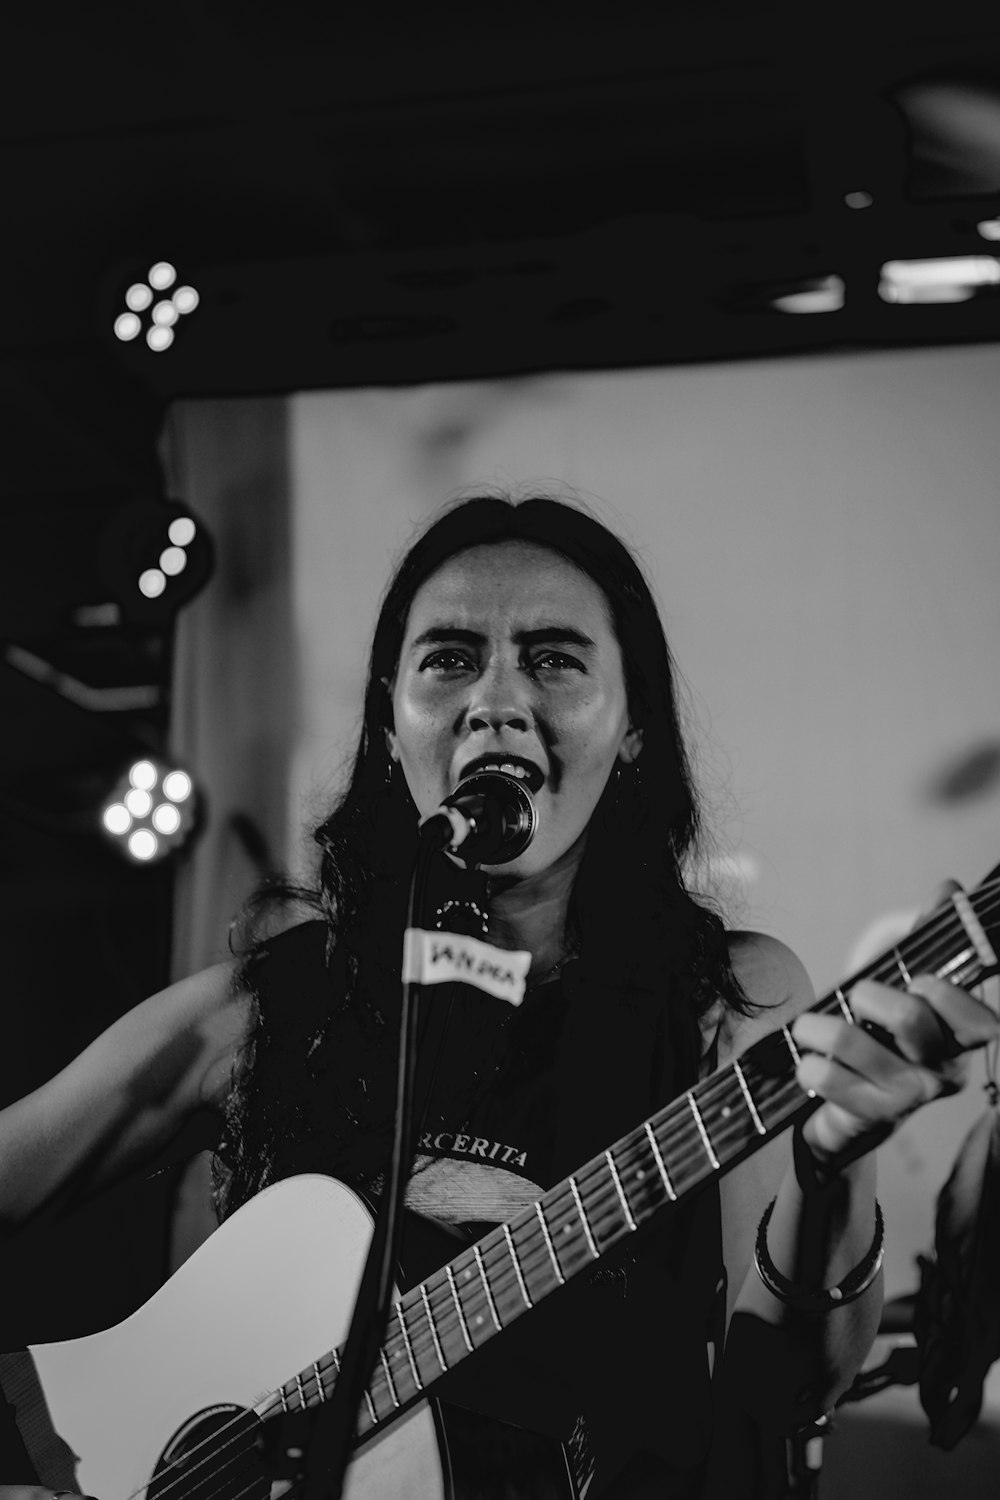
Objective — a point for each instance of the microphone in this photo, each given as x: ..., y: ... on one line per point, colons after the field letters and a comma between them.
x: 489, y: 819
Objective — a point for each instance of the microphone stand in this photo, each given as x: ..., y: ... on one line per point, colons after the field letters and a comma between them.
x: 333, y: 1431
x: 498, y: 810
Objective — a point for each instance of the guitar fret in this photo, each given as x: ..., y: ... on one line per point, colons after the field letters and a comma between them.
x: 433, y: 1326
x: 963, y: 965
x: 371, y: 1406
x: 486, y: 1286
x: 617, y: 1181
x: 320, y: 1388
x: 583, y: 1217
x: 458, y: 1308
x: 759, y: 1125
x: 702, y: 1131
x: 901, y: 966
x: 548, y: 1243
x: 841, y: 1000
x: 300, y: 1392
x: 517, y: 1267
x: 974, y: 928
x: 282, y: 1398
x: 668, y: 1185
x: 388, y: 1377
x: 406, y: 1340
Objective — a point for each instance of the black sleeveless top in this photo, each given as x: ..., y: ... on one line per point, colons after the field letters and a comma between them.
x: 530, y: 1092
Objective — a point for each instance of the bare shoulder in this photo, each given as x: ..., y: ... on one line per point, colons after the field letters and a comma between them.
x: 776, y: 983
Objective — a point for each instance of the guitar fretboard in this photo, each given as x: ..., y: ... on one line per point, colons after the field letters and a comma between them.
x: 699, y: 1135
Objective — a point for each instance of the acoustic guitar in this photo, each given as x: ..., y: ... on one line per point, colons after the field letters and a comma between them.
x: 168, y: 1404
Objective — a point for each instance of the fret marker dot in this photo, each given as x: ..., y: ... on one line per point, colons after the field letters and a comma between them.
x: 567, y: 1229
x: 640, y: 1174
x: 478, y: 1320
x: 726, y: 1111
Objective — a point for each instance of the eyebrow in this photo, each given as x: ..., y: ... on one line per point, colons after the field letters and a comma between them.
x: 439, y: 635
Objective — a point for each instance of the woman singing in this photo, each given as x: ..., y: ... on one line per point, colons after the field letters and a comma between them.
x: 522, y: 637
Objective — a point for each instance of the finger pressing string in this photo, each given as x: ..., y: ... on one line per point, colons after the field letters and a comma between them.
x: 965, y: 1023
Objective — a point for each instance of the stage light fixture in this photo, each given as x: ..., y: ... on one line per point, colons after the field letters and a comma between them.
x: 151, y: 812
x: 162, y: 275
x: 185, y: 299
x: 177, y: 785
x: 138, y: 297
x: 127, y: 326
x: 143, y: 845
x: 824, y: 294
x: 937, y: 279
x: 141, y: 296
x: 181, y: 532
x: 154, y: 557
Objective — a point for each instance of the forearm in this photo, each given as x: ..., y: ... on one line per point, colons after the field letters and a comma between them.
x: 791, y: 1365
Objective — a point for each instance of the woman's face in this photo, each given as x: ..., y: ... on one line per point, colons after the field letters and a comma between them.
x: 509, y: 656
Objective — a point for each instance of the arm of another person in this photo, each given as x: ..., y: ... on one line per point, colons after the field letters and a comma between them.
x: 120, y: 1103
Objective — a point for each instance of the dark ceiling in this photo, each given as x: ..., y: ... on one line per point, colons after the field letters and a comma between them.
x: 377, y: 195
x: 365, y: 196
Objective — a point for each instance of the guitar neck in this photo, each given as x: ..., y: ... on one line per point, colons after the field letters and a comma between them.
x: 699, y: 1135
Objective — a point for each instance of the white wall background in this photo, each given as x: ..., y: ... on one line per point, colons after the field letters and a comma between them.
x: 823, y: 534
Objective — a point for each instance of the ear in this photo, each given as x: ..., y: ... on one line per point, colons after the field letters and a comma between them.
x: 631, y: 746
x: 392, y: 745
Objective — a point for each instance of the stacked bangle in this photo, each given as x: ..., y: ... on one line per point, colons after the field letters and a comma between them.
x: 824, y: 1299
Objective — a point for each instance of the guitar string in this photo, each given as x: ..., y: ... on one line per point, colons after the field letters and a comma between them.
x: 605, y: 1216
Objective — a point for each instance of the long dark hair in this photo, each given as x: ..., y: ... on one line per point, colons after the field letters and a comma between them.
x: 632, y: 917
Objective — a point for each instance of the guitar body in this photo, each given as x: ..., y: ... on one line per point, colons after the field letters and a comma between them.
x: 264, y: 1296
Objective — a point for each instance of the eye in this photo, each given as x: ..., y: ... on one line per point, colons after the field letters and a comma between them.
x: 447, y: 660
x: 555, y: 661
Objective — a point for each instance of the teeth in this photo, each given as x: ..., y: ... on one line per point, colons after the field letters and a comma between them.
x: 508, y: 769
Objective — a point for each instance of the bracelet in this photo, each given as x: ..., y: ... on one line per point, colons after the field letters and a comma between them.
x: 825, y: 1299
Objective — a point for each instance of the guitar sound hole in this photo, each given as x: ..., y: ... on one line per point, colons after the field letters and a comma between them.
x: 212, y: 1457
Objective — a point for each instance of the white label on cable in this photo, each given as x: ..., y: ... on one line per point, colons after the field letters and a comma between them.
x: 436, y: 957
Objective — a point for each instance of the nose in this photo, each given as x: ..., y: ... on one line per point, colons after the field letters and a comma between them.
x: 500, y: 701
x: 496, y: 718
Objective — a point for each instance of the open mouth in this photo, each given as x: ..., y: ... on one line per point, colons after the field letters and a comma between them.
x: 511, y: 765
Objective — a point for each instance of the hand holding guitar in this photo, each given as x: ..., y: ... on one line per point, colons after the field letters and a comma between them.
x: 907, y: 1048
